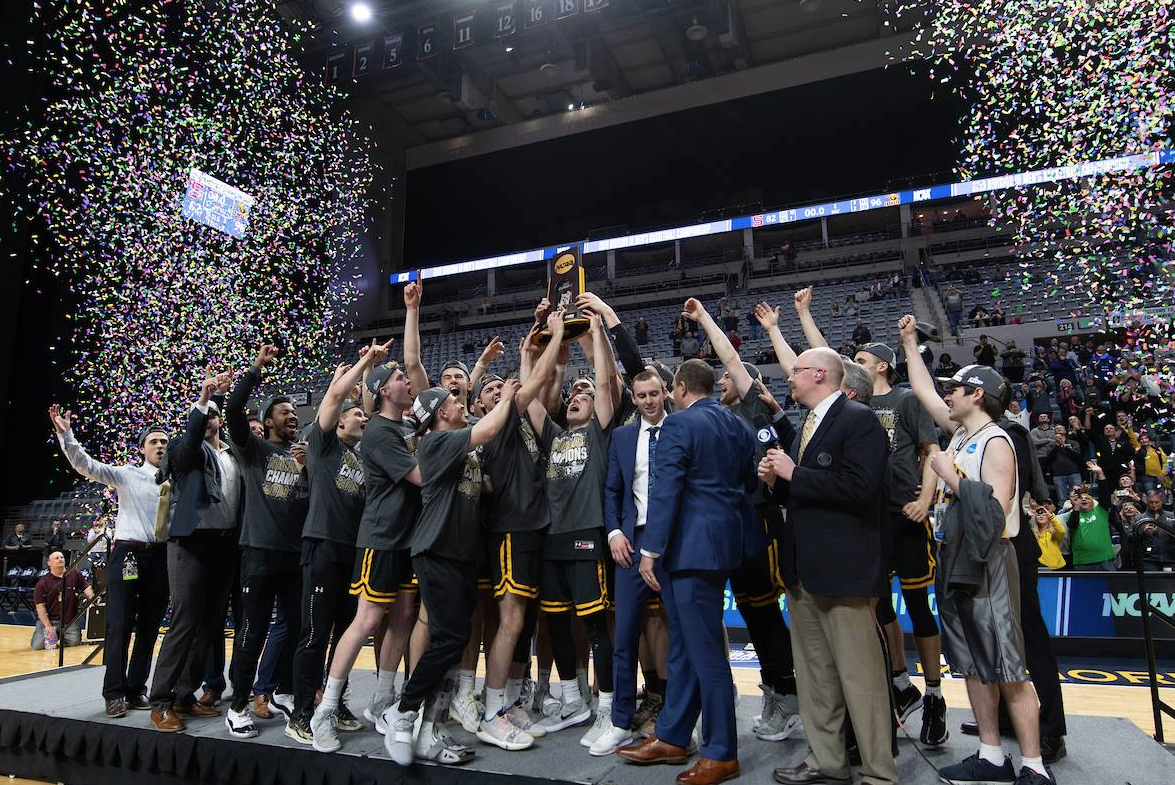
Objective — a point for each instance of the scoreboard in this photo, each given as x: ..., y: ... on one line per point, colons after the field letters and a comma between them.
x: 217, y: 204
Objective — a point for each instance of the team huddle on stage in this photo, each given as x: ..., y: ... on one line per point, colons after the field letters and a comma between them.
x: 477, y: 512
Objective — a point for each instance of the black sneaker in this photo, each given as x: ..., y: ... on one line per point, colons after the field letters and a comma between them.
x: 346, y: 720
x: 298, y: 729
x: 1052, y: 748
x: 906, y: 701
x: 934, y: 721
x: 1030, y: 777
x: 976, y: 770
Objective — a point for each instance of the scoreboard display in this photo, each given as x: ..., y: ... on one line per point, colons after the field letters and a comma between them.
x: 217, y: 204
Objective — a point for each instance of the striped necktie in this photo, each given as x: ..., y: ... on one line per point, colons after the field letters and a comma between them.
x: 652, y: 456
x: 806, y: 434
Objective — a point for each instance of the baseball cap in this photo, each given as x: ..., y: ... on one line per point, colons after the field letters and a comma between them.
x: 150, y: 429
x: 483, y: 381
x: 458, y: 365
x: 983, y: 377
x: 753, y: 371
x: 426, y: 404
x: 380, y: 375
x: 213, y: 408
x: 880, y: 351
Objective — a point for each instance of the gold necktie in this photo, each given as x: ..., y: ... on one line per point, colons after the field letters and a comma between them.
x: 806, y: 434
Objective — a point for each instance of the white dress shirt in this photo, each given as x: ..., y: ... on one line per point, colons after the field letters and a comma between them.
x: 820, y: 410
x: 640, y: 476
x: 138, y: 495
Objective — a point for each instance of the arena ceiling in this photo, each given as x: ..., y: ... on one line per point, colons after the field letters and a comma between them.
x: 432, y: 75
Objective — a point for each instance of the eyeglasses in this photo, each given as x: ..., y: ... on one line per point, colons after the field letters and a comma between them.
x: 800, y: 368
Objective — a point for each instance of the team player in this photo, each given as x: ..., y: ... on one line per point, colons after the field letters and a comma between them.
x: 976, y: 512
x: 382, y: 576
x: 758, y: 582
x: 574, y: 570
x: 516, y: 518
x: 271, y: 530
x: 909, y: 545
x: 443, y: 543
x: 334, y: 473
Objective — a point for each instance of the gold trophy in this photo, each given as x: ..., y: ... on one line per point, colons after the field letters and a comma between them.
x: 564, y: 286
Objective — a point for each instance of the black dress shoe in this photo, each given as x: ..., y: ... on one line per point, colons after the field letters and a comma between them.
x: 971, y: 728
x: 802, y: 774
x: 1052, y: 748
x: 115, y: 708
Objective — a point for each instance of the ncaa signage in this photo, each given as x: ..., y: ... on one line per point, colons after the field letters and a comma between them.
x: 921, y: 195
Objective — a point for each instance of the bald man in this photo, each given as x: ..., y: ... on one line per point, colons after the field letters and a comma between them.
x: 831, y: 480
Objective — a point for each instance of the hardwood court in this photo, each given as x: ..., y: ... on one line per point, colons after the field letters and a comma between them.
x: 1132, y: 703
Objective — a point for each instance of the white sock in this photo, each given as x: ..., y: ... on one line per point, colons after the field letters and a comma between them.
x: 571, y: 692
x: 934, y: 689
x: 513, y: 691
x: 332, y: 694
x: 605, y: 707
x: 1036, y: 764
x: 495, y: 701
x: 993, y: 755
x: 901, y: 680
x: 385, y: 685
x: 465, y: 682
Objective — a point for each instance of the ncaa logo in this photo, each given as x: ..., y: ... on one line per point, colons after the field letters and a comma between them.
x: 971, y: 448
x: 921, y: 195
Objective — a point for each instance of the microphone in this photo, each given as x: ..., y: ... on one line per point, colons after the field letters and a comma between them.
x: 765, y: 433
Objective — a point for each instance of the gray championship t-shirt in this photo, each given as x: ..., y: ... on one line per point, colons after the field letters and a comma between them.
x: 337, y: 492
x: 276, y: 497
x: 577, y: 465
x: 450, y: 494
x: 393, y: 503
x: 908, y: 427
x: 515, y: 465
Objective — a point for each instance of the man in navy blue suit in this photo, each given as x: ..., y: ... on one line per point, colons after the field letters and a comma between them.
x: 700, y: 526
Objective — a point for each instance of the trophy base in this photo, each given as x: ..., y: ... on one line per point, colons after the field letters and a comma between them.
x: 573, y: 327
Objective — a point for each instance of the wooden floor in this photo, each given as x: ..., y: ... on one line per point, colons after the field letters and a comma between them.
x: 1133, y: 703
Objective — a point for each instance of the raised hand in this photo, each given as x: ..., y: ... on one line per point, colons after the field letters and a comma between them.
x: 766, y: 397
x: 62, y: 420
x: 265, y: 355
x: 377, y: 352
x: 510, y: 388
x: 556, y: 325
x: 494, y: 349
x: 693, y: 309
x: 595, y: 322
x: 590, y: 302
x: 908, y: 328
x: 540, y: 310
x: 223, y: 380
x: 803, y: 299
x: 767, y: 316
x: 340, y: 370
x: 412, y: 294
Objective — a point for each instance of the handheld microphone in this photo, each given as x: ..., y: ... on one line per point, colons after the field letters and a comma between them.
x: 765, y: 433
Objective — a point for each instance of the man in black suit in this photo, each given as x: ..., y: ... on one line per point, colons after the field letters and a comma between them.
x: 205, y: 518
x: 832, y: 480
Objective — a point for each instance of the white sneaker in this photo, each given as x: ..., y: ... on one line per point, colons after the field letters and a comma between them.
x: 610, y: 740
x: 467, y: 710
x: 569, y: 715
x: 374, y: 712
x: 398, y: 739
x: 502, y: 733
x: 520, y: 718
x: 602, y: 723
x: 240, y: 724
x: 783, y: 721
x: 283, y: 704
x: 435, y: 744
x: 325, y: 730
x: 545, y: 704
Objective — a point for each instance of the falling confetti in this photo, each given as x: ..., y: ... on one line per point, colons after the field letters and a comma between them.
x: 140, y: 94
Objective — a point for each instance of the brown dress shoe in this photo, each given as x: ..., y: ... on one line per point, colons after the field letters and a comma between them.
x: 138, y: 703
x: 708, y: 772
x: 195, y: 709
x: 209, y: 698
x: 261, y: 707
x: 166, y: 721
x: 115, y: 708
x: 653, y: 750
x: 802, y: 774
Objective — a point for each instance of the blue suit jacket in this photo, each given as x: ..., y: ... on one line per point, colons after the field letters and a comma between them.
x: 619, y: 506
x: 700, y: 516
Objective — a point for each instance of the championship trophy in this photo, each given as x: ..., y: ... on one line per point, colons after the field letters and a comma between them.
x: 564, y: 286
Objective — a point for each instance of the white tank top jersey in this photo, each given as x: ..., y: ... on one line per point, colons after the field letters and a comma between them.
x: 968, y: 461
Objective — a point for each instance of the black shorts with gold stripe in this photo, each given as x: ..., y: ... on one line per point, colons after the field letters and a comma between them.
x: 515, y: 559
x: 758, y: 581
x: 911, y: 550
x: 380, y: 576
x: 580, y: 586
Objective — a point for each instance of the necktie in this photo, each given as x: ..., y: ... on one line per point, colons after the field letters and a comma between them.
x: 806, y: 434
x: 652, y: 455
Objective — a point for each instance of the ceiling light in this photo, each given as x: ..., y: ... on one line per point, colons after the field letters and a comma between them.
x: 696, y: 32
x: 509, y: 49
x: 570, y: 107
x: 361, y: 12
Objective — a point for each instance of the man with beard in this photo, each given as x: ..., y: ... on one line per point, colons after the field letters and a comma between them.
x: 275, y: 511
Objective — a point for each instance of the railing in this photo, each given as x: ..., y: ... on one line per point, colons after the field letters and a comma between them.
x: 1158, y: 706
x: 85, y: 606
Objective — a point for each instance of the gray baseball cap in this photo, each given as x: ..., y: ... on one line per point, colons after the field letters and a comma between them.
x: 424, y: 408
x: 982, y: 377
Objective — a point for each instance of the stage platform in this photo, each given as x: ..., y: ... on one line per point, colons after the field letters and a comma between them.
x: 52, y: 727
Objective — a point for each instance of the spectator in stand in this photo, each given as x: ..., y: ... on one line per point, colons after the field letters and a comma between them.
x: 1043, y: 435
x: 1091, y: 394
x: 689, y: 347
x: 1125, y: 492
x: 1050, y: 533
x: 1017, y: 412
x: 1063, y: 459
x: 1123, y: 519
x: 641, y: 328
x: 862, y: 296
x: 1114, y: 456
x: 1067, y: 399
x: 1013, y: 367
x: 1089, y: 534
x: 735, y: 341
x: 52, y: 614
x: 998, y: 317
x: 861, y: 334
x: 18, y: 540
x: 1061, y: 368
x: 1151, y: 464
x: 755, y: 331
x: 984, y: 352
x: 978, y: 317
x: 835, y: 309
x: 1157, y: 546
x: 1039, y: 361
x: 1103, y: 363
x: 1039, y: 401
x: 947, y: 367
x: 56, y: 539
